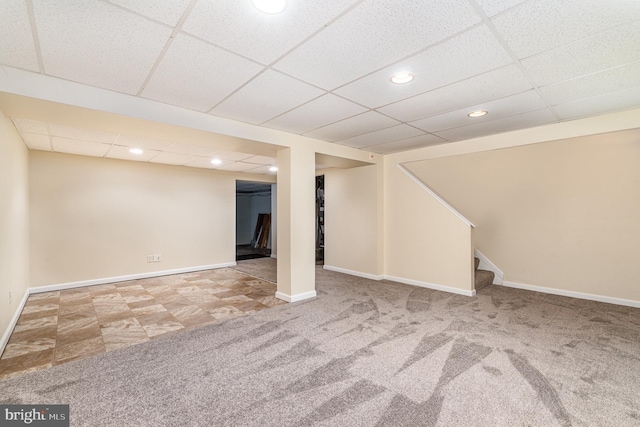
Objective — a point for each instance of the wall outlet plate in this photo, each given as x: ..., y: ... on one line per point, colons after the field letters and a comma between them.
x: 149, y: 258
x: 157, y: 258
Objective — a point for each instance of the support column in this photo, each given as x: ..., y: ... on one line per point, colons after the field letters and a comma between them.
x: 296, y: 224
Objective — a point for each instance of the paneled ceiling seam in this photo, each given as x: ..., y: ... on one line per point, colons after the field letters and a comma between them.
x: 284, y: 55
x: 513, y: 56
x: 167, y: 45
x: 34, y: 34
x: 443, y: 141
x: 112, y: 144
x: 411, y: 55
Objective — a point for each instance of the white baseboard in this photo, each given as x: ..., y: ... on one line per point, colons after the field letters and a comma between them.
x: 14, y: 321
x: 573, y: 294
x: 274, y: 256
x: 486, y: 264
x: 296, y: 298
x: 353, y: 273
x: 433, y: 286
x: 83, y: 283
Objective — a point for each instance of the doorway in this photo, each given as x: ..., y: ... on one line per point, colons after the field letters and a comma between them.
x: 320, y: 219
x: 254, y: 223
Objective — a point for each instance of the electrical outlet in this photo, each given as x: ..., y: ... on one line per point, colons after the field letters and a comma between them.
x: 157, y: 258
x: 149, y: 258
x: 9, y: 297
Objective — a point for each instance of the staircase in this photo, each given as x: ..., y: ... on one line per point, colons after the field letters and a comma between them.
x: 483, y: 278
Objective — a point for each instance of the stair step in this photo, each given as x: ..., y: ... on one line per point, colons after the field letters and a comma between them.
x: 483, y: 279
x: 477, y: 261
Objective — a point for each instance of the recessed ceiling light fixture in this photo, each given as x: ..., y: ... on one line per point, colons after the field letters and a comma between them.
x: 402, y: 78
x: 273, y: 169
x: 271, y: 7
x: 136, y: 151
x: 478, y: 113
x: 216, y: 161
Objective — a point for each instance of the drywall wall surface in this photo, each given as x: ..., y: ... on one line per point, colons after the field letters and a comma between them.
x: 351, y: 219
x: 424, y: 240
x: 561, y: 214
x: 296, y: 223
x: 95, y: 218
x: 14, y: 221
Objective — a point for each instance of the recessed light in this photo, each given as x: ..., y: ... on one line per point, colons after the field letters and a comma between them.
x: 402, y: 78
x: 273, y: 169
x: 271, y: 7
x: 478, y: 113
x: 136, y: 151
x: 216, y: 161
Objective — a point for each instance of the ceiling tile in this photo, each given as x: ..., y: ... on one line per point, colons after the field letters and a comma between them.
x: 262, y: 160
x: 230, y: 155
x: 539, y: 25
x: 267, y: 96
x: 31, y: 126
x: 520, y: 121
x: 144, y: 143
x: 271, y: 35
x: 83, y: 134
x: 494, y: 7
x: 605, y: 50
x: 599, y: 104
x: 373, y: 35
x: 473, y: 52
x: 74, y: 146
x: 173, y: 158
x: 196, y: 75
x: 119, y: 152
x: 406, y: 144
x: 498, y: 83
x: 262, y: 170
x: 508, y: 106
x: 378, y: 137
x: 321, y: 111
x: 97, y: 44
x: 238, y: 167
x: 353, y: 126
x: 36, y: 141
x: 612, y: 80
x: 205, y: 163
x: 166, y: 11
x: 191, y: 149
x: 17, y: 48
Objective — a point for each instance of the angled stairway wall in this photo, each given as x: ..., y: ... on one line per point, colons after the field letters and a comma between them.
x: 560, y: 215
x: 426, y: 244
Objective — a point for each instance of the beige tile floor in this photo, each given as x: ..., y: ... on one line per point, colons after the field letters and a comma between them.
x: 58, y: 327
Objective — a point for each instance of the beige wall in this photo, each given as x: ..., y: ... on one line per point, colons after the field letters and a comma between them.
x: 296, y: 223
x: 94, y: 218
x: 424, y: 241
x: 14, y: 221
x: 562, y: 214
x: 351, y: 219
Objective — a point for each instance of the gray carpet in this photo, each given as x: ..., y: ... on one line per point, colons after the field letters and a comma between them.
x: 368, y: 353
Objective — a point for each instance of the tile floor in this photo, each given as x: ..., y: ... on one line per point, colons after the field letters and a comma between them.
x: 58, y: 327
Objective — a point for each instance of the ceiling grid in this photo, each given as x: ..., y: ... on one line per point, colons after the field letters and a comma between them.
x: 322, y: 69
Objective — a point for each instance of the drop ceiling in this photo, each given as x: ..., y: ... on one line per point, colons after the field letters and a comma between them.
x: 322, y: 68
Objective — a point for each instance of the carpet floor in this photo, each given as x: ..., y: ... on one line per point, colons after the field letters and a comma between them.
x: 367, y: 353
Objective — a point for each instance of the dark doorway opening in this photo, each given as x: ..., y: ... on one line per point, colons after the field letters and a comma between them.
x: 253, y: 220
x: 320, y: 219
